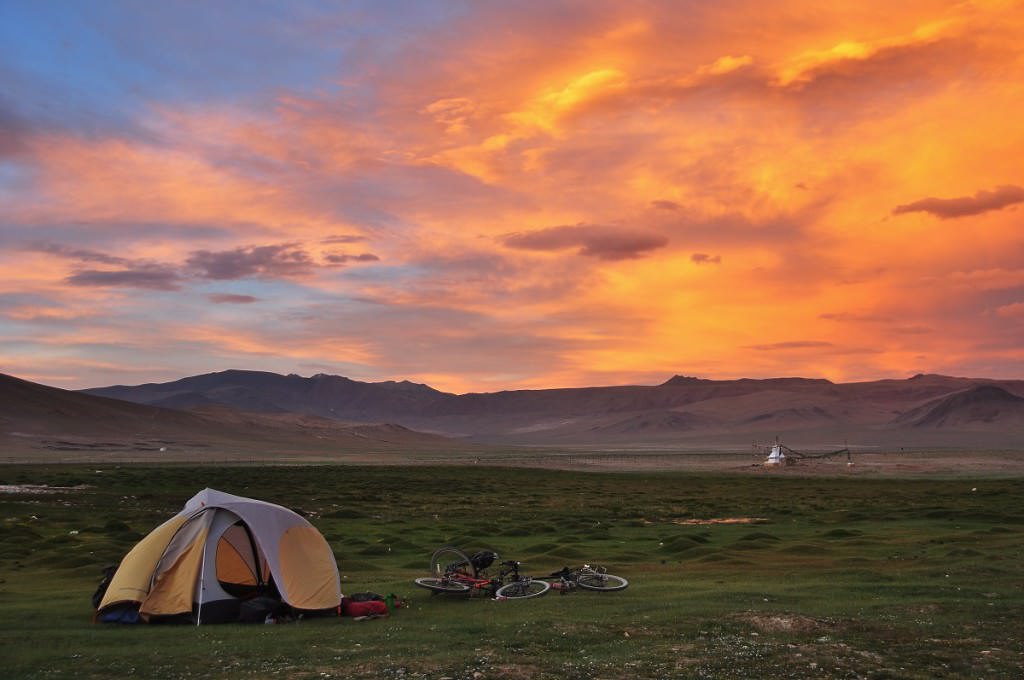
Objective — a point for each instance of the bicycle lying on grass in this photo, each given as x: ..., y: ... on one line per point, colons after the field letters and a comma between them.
x: 587, y: 577
x: 452, y: 571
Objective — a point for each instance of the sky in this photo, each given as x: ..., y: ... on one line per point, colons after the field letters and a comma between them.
x: 489, y: 195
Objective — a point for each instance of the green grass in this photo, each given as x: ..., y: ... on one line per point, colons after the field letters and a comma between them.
x: 849, y: 577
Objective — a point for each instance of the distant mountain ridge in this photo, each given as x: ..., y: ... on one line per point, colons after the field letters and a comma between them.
x: 34, y: 417
x: 975, y: 407
x: 264, y: 392
x: 922, y: 408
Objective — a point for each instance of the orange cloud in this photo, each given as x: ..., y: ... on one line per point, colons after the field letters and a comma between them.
x: 1011, y: 311
x: 31, y: 313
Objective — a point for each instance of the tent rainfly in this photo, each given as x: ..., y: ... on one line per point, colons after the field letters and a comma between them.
x: 220, y: 549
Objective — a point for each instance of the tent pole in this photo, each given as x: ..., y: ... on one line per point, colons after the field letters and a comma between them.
x: 202, y: 576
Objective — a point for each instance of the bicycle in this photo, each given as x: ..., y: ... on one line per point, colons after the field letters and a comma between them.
x: 587, y: 577
x: 452, y: 571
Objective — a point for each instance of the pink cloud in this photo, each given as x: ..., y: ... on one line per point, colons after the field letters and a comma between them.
x: 1011, y: 311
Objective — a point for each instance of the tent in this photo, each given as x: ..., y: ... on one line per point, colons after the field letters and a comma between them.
x: 200, y: 565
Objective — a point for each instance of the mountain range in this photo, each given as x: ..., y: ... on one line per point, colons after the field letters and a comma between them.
x: 683, y: 412
x: 36, y: 417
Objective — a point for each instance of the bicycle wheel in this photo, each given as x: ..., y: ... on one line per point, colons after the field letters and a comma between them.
x: 441, y: 585
x: 606, y: 583
x: 523, y: 589
x: 448, y: 560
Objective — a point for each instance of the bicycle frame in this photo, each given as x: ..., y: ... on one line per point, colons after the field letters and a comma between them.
x: 457, y: 574
x: 452, y: 571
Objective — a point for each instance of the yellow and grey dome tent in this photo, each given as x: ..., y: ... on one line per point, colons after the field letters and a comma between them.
x: 200, y: 564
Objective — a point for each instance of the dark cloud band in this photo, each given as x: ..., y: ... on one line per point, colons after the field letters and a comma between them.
x: 282, y: 260
x: 232, y: 299
x: 964, y: 206
x: 150, y: 278
x: 591, y: 240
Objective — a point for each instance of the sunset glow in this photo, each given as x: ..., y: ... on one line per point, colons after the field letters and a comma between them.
x: 486, y: 196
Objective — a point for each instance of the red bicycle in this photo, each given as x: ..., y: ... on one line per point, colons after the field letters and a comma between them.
x: 452, y: 571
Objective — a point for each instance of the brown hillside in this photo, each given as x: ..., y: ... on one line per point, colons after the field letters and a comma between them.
x: 682, y: 412
x: 982, y: 407
x: 35, y: 417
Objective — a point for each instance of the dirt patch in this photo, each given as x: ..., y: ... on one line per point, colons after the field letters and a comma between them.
x: 39, y: 488
x: 785, y: 623
x: 515, y: 671
x: 723, y: 520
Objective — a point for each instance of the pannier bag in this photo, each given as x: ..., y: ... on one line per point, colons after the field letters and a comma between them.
x: 483, y: 559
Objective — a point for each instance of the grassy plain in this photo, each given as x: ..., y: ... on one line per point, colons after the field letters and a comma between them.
x: 864, y: 577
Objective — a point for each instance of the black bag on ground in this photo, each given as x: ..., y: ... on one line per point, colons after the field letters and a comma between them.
x: 257, y: 609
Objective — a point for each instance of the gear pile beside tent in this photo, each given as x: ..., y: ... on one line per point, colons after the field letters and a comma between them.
x: 220, y: 552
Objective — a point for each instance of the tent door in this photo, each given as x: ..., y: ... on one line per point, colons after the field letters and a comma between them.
x: 241, y: 568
